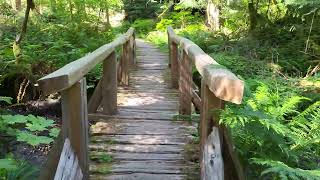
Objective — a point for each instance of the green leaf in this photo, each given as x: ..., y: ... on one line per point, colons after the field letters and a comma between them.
x: 38, y: 123
x: 54, y: 132
x: 8, y: 164
x: 32, y: 139
x: 13, y: 119
x: 6, y: 99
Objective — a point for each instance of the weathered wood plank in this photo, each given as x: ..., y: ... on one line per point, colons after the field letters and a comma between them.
x: 223, y: 83
x: 71, y: 73
x: 212, y: 161
x: 139, y: 176
x: 121, y: 156
x: 150, y: 166
x: 209, y: 115
x: 125, y: 64
x: 75, y: 122
x: 68, y: 164
x: 109, y: 85
x: 158, y: 149
x: 185, y: 87
x: 141, y: 127
x: 149, y: 139
x: 174, y: 65
x: 196, y: 100
x: 95, y: 99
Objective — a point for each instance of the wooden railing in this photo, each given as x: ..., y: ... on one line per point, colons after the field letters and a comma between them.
x: 218, y: 160
x: 71, y: 83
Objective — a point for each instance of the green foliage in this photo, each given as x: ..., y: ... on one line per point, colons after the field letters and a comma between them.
x: 143, y: 26
x: 101, y: 157
x: 141, y: 9
x: 11, y: 169
x: 12, y: 125
x: 274, y: 122
x: 6, y: 99
x: 285, y: 172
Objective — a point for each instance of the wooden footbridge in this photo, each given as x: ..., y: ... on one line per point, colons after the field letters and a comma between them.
x: 130, y: 128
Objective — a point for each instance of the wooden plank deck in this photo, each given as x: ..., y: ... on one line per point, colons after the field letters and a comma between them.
x: 142, y: 139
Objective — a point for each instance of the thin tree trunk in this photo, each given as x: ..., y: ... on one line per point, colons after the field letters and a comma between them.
x: 108, y: 16
x: 18, y: 5
x: 30, y: 5
x: 212, y: 15
x: 252, y: 15
x: 16, y: 45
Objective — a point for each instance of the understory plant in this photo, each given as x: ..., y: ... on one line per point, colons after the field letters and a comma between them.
x: 276, y: 131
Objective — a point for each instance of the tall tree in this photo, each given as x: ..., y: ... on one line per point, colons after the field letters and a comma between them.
x: 213, y: 14
x: 16, y: 44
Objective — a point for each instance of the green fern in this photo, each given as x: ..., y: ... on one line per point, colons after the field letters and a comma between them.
x: 278, y: 125
x: 284, y: 172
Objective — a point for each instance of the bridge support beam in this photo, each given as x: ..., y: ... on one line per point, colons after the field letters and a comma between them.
x: 109, y: 85
x: 174, y: 64
x: 185, y: 85
x: 75, y: 122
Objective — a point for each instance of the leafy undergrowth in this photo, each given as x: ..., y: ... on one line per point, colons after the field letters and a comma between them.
x: 276, y: 129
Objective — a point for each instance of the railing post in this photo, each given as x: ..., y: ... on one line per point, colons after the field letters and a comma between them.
x: 185, y: 85
x: 125, y: 64
x: 109, y: 85
x: 75, y: 122
x: 132, y: 50
x: 209, y: 117
x: 134, y: 47
x: 174, y: 64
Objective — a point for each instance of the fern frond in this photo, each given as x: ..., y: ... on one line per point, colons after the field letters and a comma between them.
x: 284, y: 171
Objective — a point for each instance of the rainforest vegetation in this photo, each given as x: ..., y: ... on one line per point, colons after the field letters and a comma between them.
x: 272, y: 45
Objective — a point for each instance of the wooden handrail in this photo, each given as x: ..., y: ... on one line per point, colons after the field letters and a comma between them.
x: 71, y: 73
x: 223, y: 83
x: 217, y: 157
x: 70, y: 81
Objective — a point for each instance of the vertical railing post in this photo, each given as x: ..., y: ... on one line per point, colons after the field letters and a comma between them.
x: 125, y: 64
x: 131, y: 50
x: 174, y: 64
x: 209, y: 117
x: 109, y: 85
x: 185, y: 85
x: 75, y: 122
x: 134, y: 48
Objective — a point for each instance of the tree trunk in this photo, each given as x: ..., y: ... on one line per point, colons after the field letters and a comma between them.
x: 212, y: 15
x: 252, y: 15
x: 16, y: 44
x: 30, y: 5
x: 18, y: 5
x: 108, y: 16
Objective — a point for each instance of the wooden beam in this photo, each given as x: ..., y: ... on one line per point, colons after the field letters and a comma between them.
x: 209, y: 115
x: 68, y: 167
x: 71, y: 73
x: 223, y: 83
x: 212, y: 159
x: 109, y: 85
x: 95, y: 99
x: 125, y: 64
x: 185, y: 85
x: 196, y: 100
x: 75, y: 122
x: 174, y: 64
